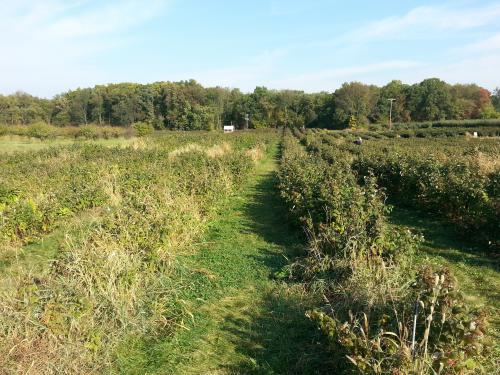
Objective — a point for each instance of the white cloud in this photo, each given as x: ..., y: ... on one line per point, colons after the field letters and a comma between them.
x: 54, y: 45
x: 49, y: 47
x: 108, y: 19
x: 487, y: 45
x: 254, y: 72
x: 418, y: 26
x: 420, y: 22
x: 330, y: 79
x: 482, y: 70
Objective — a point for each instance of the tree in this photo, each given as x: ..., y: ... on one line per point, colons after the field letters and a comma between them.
x: 354, y: 99
x: 324, y: 109
x: 469, y: 100
x: 430, y: 100
x: 393, y: 90
x: 489, y: 112
x: 79, y: 107
x: 96, y: 103
x: 495, y: 99
x: 187, y: 105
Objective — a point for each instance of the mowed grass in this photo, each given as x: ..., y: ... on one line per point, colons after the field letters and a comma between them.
x: 14, y: 143
x: 242, y: 321
x: 477, y: 271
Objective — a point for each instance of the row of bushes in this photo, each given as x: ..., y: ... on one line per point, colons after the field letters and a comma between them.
x: 493, y: 131
x: 38, y: 190
x: 44, y: 131
x: 113, y: 283
x: 457, y: 189
x: 459, y: 180
x: 381, y: 315
x: 444, y: 124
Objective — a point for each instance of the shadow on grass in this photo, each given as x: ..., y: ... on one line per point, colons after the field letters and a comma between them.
x: 268, y: 218
x: 278, y: 339
x: 442, y: 239
x: 247, y: 324
x: 477, y: 271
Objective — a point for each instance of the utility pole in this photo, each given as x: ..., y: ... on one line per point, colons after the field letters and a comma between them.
x: 247, y: 118
x: 390, y: 112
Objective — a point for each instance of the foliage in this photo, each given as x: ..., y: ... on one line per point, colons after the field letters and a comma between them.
x: 186, y: 105
x: 365, y: 269
x: 44, y: 131
x: 458, y: 183
x: 143, y: 128
x: 114, y: 278
x: 435, y: 332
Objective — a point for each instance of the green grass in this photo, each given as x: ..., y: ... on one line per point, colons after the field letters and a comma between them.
x: 241, y: 320
x: 38, y: 255
x: 13, y: 143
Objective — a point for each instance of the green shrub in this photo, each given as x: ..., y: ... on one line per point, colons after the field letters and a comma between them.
x: 449, y: 337
x: 88, y: 132
x: 364, y: 269
x: 114, y: 279
x: 41, y: 131
x: 143, y: 128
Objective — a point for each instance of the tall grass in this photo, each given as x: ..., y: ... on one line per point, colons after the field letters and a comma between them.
x: 45, y: 131
x: 113, y: 282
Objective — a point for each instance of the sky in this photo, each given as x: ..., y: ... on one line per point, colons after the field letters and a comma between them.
x: 51, y: 46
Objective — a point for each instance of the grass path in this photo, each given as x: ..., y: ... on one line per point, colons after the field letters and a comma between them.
x: 243, y: 321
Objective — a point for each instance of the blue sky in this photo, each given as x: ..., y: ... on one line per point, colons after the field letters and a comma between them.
x: 48, y: 47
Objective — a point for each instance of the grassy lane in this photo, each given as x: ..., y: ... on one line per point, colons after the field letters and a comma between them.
x: 242, y: 321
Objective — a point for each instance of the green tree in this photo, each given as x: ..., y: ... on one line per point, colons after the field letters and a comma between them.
x: 393, y: 90
x: 430, y: 100
x: 354, y: 99
x: 495, y: 99
x: 80, y: 105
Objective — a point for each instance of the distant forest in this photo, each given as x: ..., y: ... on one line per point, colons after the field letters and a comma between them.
x: 187, y: 105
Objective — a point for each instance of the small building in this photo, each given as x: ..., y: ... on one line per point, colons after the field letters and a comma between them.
x: 228, y: 128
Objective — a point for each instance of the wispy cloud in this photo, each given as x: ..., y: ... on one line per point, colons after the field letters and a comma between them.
x: 55, y: 42
x: 486, y: 45
x: 53, y: 45
x: 419, y: 22
x: 107, y: 19
x: 422, y: 24
x: 256, y: 71
x: 330, y: 78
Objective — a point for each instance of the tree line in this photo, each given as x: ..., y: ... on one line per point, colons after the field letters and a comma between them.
x: 187, y: 105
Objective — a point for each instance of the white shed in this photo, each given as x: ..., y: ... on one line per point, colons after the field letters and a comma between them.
x: 228, y: 128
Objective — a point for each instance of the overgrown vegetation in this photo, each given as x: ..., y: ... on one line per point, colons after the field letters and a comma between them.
x: 115, y: 280
x: 382, y: 312
x: 43, y: 131
x: 101, y: 268
x: 456, y: 179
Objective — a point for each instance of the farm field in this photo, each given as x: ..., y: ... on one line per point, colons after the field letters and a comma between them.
x: 373, y: 267
x: 255, y: 252
x: 232, y: 187
x: 92, y: 239
x: 10, y: 144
